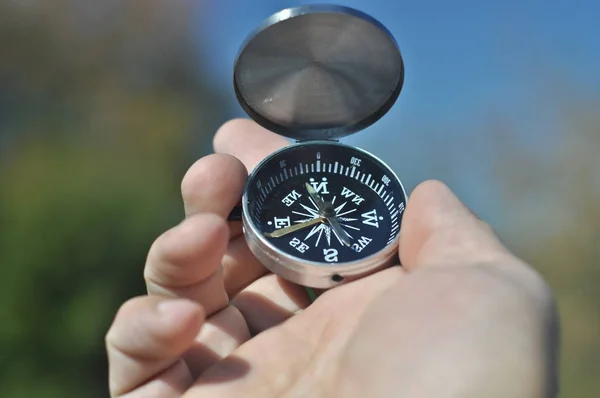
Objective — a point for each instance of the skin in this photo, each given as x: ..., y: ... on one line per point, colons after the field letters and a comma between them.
x: 462, y: 317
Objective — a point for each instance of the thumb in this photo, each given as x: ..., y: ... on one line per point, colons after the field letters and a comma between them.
x: 145, y: 344
x: 438, y: 229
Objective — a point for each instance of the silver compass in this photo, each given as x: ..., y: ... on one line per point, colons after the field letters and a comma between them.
x: 318, y: 212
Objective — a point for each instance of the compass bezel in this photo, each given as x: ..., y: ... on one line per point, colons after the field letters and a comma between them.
x: 306, y: 272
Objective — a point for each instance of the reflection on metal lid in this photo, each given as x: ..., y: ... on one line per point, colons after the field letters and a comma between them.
x: 318, y: 72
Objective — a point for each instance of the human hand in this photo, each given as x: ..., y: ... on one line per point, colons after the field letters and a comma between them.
x: 462, y: 317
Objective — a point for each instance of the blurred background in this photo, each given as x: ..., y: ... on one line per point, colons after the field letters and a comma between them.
x: 105, y: 104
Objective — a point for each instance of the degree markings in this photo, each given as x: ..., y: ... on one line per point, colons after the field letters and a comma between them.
x: 335, y: 168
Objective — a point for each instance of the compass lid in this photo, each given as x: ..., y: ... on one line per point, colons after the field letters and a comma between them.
x: 318, y: 72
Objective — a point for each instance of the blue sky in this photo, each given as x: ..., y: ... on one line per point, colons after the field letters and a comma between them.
x: 466, y: 62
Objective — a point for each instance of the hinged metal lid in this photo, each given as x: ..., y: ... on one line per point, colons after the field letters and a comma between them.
x: 318, y: 72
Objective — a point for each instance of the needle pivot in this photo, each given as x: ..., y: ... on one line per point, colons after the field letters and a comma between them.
x: 328, y: 212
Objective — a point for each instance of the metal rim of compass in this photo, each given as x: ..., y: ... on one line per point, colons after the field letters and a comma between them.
x: 322, y: 114
x: 311, y: 273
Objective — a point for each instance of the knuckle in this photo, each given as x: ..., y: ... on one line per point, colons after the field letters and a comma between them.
x: 172, y: 258
x: 123, y: 315
x: 153, y: 257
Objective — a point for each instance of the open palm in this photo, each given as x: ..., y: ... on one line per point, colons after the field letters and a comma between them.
x: 462, y: 317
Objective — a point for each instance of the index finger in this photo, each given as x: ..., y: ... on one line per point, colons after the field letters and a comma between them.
x: 247, y: 141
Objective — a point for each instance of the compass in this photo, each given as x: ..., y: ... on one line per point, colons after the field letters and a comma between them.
x: 317, y: 212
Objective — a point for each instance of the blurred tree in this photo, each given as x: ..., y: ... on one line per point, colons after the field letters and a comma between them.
x: 103, y: 106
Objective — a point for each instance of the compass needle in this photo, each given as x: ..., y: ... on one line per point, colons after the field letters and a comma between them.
x: 341, y: 234
x: 317, y: 185
x: 288, y: 230
x: 315, y: 198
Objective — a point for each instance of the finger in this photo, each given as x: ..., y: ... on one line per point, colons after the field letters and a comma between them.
x: 438, y: 228
x: 185, y: 262
x: 220, y: 336
x: 247, y: 141
x: 213, y: 184
x: 145, y: 342
x: 240, y: 267
x: 250, y: 143
x: 269, y: 301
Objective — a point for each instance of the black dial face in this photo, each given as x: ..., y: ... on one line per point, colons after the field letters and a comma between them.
x: 326, y: 203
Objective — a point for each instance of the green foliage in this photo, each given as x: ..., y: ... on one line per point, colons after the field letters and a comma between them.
x: 98, y: 126
x: 75, y: 232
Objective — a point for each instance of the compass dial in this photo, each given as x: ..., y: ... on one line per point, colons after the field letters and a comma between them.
x: 325, y: 203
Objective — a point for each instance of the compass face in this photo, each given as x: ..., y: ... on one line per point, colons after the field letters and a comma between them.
x: 296, y: 196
